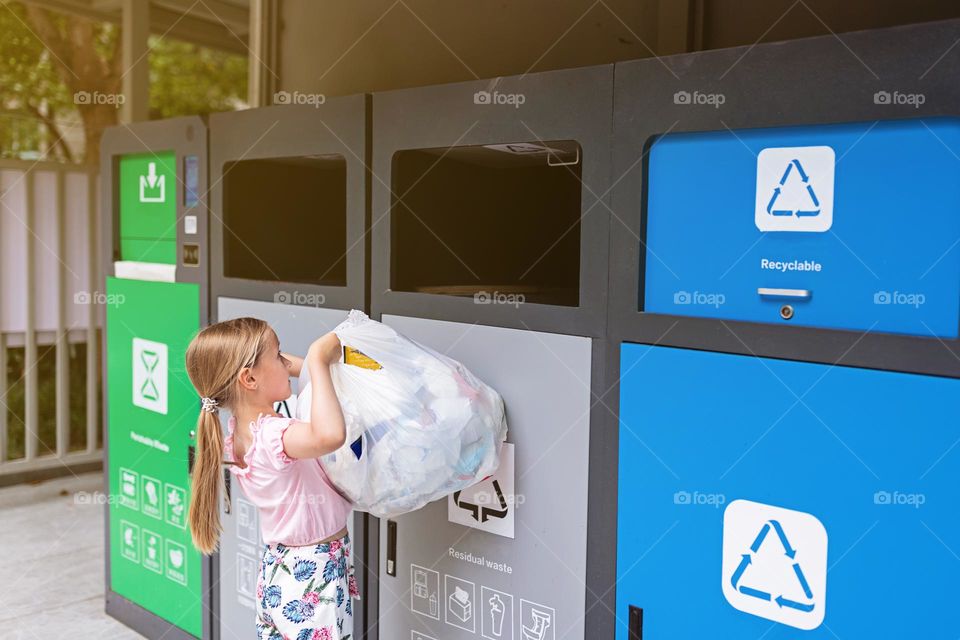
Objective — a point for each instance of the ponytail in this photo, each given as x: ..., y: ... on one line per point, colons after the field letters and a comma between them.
x: 204, y: 515
x: 214, y: 359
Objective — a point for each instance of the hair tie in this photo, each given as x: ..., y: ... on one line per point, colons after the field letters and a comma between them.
x: 209, y: 405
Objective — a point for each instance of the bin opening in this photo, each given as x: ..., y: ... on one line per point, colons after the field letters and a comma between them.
x: 499, y: 220
x: 285, y: 219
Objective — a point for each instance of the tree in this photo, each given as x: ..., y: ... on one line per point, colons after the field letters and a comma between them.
x: 31, y: 92
x: 186, y: 79
x: 86, y: 57
x: 51, y: 64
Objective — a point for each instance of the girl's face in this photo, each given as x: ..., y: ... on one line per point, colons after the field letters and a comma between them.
x: 271, y: 371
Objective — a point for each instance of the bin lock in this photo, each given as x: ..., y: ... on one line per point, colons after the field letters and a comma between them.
x: 786, y: 310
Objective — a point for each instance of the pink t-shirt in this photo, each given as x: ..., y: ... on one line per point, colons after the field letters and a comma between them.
x: 298, y: 504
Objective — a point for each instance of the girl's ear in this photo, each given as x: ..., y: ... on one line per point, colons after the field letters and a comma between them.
x: 246, y: 379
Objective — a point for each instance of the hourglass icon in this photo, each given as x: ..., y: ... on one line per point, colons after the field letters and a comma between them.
x: 149, y: 388
x: 150, y: 375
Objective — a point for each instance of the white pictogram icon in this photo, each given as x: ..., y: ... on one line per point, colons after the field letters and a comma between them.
x: 153, y: 188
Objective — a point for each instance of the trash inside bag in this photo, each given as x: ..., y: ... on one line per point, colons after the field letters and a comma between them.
x: 419, y: 425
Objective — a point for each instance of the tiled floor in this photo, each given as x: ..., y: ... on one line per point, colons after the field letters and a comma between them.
x: 51, y: 561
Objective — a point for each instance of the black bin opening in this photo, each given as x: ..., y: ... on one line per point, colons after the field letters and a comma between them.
x: 285, y: 220
x: 495, y: 222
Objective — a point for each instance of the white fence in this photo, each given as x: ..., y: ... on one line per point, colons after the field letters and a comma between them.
x: 49, y: 297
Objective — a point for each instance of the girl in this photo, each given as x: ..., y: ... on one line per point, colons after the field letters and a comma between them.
x: 306, y: 582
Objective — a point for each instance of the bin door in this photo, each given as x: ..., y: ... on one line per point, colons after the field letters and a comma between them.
x: 241, y: 545
x: 758, y: 498
x: 152, y: 408
x: 506, y: 558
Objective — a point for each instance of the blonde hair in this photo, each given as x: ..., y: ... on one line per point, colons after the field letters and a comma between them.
x: 214, y: 359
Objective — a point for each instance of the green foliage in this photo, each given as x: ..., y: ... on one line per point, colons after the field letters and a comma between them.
x: 29, y: 84
x: 186, y: 79
x: 40, y: 75
x: 13, y: 399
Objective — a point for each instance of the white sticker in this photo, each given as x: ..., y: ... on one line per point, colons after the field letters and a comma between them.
x: 537, y: 621
x: 150, y: 503
x: 176, y: 557
x: 247, y: 569
x: 775, y: 563
x: 460, y: 603
x: 150, y: 375
x: 425, y: 591
x: 130, y: 541
x: 490, y: 504
x: 795, y: 189
x: 496, y: 614
x: 175, y: 499
x: 129, y: 495
x: 247, y: 521
x: 190, y: 225
x: 152, y: 551
x: 153, y: 187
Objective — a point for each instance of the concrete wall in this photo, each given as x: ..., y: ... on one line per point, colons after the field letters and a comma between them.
x: 336, y: 47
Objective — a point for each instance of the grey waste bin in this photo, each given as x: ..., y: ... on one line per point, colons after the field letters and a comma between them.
x: 784, y: 337
x: 289, y: 210
x: 492, y: 249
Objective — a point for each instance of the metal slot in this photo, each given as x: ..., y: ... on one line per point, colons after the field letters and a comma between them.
x: 635, y: 623
x: 391, y: 548
x: 793, y: 294
x: 226, y: 490
x: 191, y: 255
x: 560, y: 163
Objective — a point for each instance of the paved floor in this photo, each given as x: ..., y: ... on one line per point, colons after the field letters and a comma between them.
x: 51, y: 561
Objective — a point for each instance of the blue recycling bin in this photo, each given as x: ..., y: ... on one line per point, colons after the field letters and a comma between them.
x: 783, y: 326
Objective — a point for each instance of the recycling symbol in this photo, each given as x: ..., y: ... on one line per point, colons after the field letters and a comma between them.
x: 778, y: 190
x: 481, y: 513
x: 747, y: 559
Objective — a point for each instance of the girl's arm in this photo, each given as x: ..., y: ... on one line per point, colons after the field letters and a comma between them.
x: 326, y: 431
x: 294, y: 364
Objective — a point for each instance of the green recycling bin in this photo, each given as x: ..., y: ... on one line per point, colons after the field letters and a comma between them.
x: 153, y: 227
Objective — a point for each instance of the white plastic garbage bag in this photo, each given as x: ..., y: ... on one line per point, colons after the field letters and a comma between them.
x: 420, y: 426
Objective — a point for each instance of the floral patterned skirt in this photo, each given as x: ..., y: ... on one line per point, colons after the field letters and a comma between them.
x: 306, y: 593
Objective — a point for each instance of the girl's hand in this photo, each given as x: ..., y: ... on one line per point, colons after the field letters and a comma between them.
x: 326, y: 349
x: 293, y: 363
x: 325, y: 432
